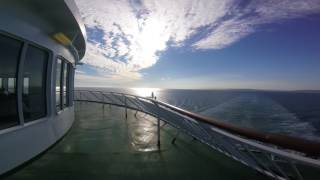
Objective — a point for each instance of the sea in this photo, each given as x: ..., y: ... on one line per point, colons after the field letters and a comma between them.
x: 294, y: 113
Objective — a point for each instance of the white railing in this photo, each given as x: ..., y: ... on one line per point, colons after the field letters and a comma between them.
x: 277, y: 156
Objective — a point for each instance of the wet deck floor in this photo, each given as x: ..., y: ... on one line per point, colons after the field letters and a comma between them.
x: 102, y: 144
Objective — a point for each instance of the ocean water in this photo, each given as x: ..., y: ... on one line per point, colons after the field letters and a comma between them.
x: 295, y: 113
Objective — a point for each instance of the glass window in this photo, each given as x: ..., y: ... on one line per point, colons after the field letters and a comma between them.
x: 58, y: 83
x: 9, y: 57
x: 70, y: 88
x: 62, y: 84
x: 1, y: 84
x: 34, y: 73
x: 65, y: 84
x: 26, y: 85
x: 11, y: 85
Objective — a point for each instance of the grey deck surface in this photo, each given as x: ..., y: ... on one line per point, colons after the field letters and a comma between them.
x: 102, y: 144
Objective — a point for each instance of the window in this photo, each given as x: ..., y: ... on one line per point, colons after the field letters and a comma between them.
x: 11, y: 85
x: 58, y: 84
x: 34, y: 84
x: 62, y: 84
x: 25, y: 85
x: 9, y: 58
x: 65, y: 84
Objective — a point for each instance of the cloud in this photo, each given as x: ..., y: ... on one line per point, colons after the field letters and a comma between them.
x: 77, y: 71
x: 126, y: 36
x: 83, y: 79
x: 244, y: 19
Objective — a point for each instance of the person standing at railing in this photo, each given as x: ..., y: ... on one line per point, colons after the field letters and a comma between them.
x: 153, y: 96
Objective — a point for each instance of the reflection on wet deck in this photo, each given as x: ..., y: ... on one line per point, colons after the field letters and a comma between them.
x: 142, y: 132
x: 103, y: 144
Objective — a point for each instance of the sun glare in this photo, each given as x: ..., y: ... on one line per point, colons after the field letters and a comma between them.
x: 149, y: 40
x: 145, y: 92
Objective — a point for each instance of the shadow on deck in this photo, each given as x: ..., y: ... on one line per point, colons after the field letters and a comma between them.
x: 103, y: 144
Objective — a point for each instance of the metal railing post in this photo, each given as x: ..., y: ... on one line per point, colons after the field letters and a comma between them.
x: 125, y: 104
x: 102, y: 104
x: 158, y: 132
x: 158, y: 126
x: 80, y: 94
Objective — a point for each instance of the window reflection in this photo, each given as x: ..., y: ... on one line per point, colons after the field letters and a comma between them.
x: 58, y: 83
x: 62, y: 84
x: 11, y: 85
x: 26, y: 85
x: 65, y: 84
x: 9, y: 57
x: 34, y: 84
x: 1, y: 87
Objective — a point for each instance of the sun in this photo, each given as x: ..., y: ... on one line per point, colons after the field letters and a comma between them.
x: 150, y: 39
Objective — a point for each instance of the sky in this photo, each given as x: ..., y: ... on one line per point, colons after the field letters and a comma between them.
x: 201, y: 44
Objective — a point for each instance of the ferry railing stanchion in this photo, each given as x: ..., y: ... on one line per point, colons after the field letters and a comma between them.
x: 158, y: 126
x: 125, y: 104
x: 258, y: 163
x: 103, y: 103
x: 158, y: 133
x: 276, y: 166
x: 173, y: 141
x: 109, y: 106
x: 295, y: 169
x: 158, y: 123
x: 80, y: 94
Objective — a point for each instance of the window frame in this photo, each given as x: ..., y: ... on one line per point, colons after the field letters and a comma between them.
x: 45, y: 81
x: 21, y: 56
x: 64, y: 64
x: 19, y: 80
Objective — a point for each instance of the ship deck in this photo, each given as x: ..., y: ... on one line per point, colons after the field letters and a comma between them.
x: 103, y: 144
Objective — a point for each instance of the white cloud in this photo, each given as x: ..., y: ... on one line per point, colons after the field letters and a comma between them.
x: 79, y: 72
x: 85, y: 80
x: 132, y: 32
x: 244, y: 21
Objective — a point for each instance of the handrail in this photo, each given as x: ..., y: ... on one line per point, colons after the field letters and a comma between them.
x: 278, y: 156
x: 310, y: 148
